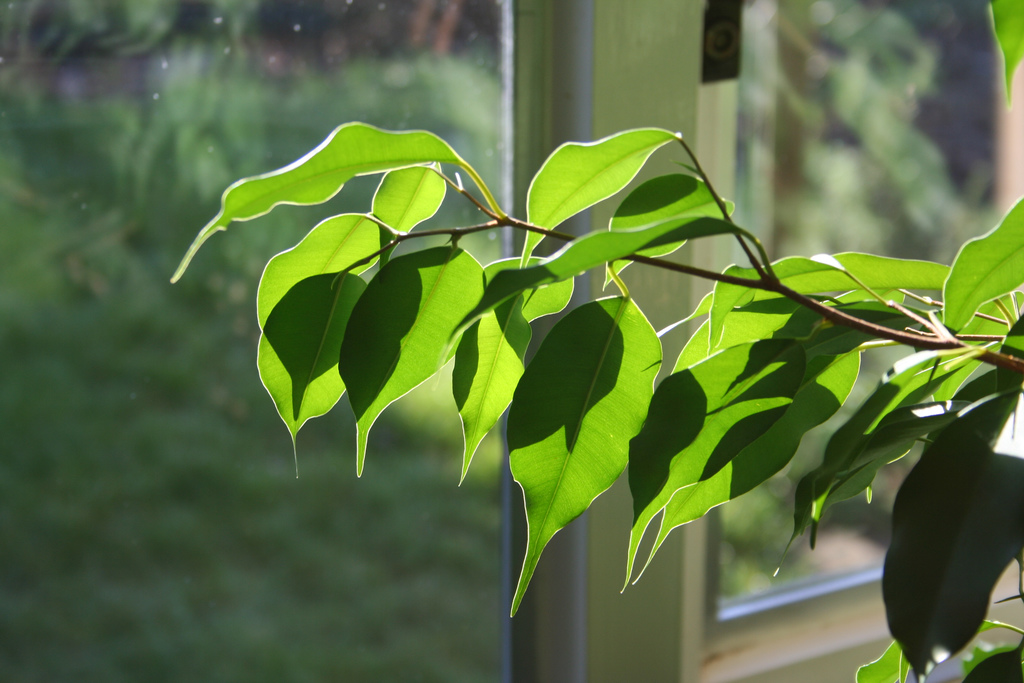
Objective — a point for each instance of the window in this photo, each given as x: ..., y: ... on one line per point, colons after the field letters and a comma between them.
x: 151, y: 523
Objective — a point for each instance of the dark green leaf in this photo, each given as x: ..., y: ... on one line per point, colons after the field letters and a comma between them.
x: 702, y: 417
x: 569, y: 440
x: 998, y: 666
x: 405, y: 319
x: 298, y: 351
x: 986, y: 268
x: 330, y: 247
x: 910, y: 381
x: 579, y: 175
x: 408, y: 196
x: 958, y: 520
x: 352, y: 150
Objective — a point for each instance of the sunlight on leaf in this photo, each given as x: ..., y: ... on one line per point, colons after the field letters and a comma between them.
x: 568, y: 441
x: 1008, y: 18
x: 408, y: 196
x: 579, y: 175
x: 298, y: 351
x: 405, y: 320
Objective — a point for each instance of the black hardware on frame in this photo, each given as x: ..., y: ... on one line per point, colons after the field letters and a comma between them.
x: 721, y: 40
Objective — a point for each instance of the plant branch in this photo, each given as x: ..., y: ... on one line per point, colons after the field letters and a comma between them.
x: 758, y: 266
x: 496, y: 215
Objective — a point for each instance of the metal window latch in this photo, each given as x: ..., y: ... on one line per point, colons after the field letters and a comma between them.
x: 721, y: 40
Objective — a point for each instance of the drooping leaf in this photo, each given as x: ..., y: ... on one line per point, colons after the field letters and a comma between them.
x: 958, y: 520
x: 589, y: 252
x: 826, y: 384
x: 895, y: 435
x: 696, y: 348
x: 702, y: 417
x: 891, y: 667
x: 488, y: 365
x: 675, y: 197
x: 1002, y: 666
x: 298, y: 351
x: 578, y: 175
x: 1008, y: 17
x: 351, y: 150
x: 985, y: 268
x: 405, y: 319
x: 910, y: 381
x: 331, y: 247
x: 408, y: 196
x: 489, y: 359
x: 569, y: 440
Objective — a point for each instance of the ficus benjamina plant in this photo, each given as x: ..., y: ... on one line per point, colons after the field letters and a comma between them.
x: 776, y: 353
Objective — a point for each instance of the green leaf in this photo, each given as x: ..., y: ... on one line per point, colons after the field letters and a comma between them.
x: 588, y: 252
x: 298, y: 351
x: 826, y: 384
x: 1000, y: 666
x: 331, y: 247
x: 807, y: 276
x: 702, y: 417
x: 910, y: 381
x: 489, y: 358
x: 353, y: 149
x: 578, y: 175
x: 675, y: 197
x: 696, y: 348
x: 405, y: 319
x: 569, y: 441
x: 985, y: 268
x: 1008, y: 17
x: 958, y: 520
x: 408, y: 196
x: 891, y: 667
x: 488, y: 365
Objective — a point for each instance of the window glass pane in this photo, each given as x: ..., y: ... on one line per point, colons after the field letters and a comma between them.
x: 151, y: 522
x: 865, y: 125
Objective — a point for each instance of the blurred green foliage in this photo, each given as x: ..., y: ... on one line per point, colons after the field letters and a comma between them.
x: 151, y: 527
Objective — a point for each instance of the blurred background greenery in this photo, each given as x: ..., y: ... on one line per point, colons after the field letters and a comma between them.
x: 151, y: 525
x: 864, y: 125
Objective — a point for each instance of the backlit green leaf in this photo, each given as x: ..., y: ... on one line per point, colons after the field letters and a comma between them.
x: 675, y: 197
x: 986, y: 268
x: 405, y: 319
x: 489, y: 359
x: 891, y: 667
x: 826, y: 384
x: 958, y: 521
x: 578, y: 175
x: 353, y: 149
x: 298, y: 351
x: 807, y: 276
x: 330, y: 247
x: 1008, y: 17
x: 488, y: 365
x: 702, y: 417
x: 408, y: 196
x: 588, y: 252
x: 568, y: 440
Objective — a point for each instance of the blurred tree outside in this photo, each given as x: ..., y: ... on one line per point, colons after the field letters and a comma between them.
x: 150, y: 521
